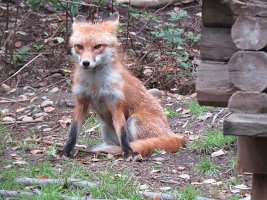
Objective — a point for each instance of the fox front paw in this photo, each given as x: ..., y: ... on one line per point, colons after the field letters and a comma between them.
x: 135, y: 157
x: 68, y: 150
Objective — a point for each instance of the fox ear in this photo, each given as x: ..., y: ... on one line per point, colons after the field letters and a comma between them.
x: 114, y: 17
x: 79, y: 18
x: 111, y: 24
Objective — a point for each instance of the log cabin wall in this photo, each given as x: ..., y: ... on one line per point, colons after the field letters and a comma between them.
x: 233, y: 73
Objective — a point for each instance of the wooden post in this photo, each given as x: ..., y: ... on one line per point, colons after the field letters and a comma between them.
x: 259, y: 186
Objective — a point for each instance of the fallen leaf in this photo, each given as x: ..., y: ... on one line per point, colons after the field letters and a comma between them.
x: 43, y: 177
x: 36, y: 151
x: 242, y: 187
x: 184, y: 176
x: 162, y: 152
x: 110, y: 156
x: 20, y: 110
x: 143, y: 187
x: 217, y: 153
x: 204, y: 116
x: 65, y: 121
x: 165, y: 188
x: 20, y: 162
x: 95, y: 159
x: 49, y: 109
x: 159, y: 159
x: 209, y: 181
x: 155, y: 171
x: 8, y: 166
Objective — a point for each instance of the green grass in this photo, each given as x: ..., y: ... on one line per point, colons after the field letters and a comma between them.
x: 189, y: 193
x: 3, y: 138
x: 91, y: 122
x: 111, y: 186
x: 195, y: 109
x: 171, y: 113
x: 205, y: 166
x: 116, y: 186
x: 84, y: 139
x: 210, y: 140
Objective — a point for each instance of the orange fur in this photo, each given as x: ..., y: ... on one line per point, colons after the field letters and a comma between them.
x: 133, y: 119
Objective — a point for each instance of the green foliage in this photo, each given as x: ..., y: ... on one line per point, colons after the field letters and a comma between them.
x: 189, y: 193
x: 58, y: 4
x: 175, y: 36
x: 210, y: 140
x: 3, y: 138
x: 115, y: 186
x: 38, y: 47
x: 195, y: 109
x: 20, y: 56
x: 171, y: 113
x: 205, y: 166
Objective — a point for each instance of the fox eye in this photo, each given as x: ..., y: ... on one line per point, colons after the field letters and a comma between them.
x: 98, y: 46
x: 79, y: 46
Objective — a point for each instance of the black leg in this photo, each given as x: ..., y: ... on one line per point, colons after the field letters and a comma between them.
x: 69, y: 146
x: 127, y: 150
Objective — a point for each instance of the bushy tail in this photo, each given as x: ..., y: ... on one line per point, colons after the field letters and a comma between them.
x: 169, y: 143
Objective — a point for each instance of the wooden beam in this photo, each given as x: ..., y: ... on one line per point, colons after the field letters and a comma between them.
x: 217, y: 13
x: 248, y: 102
x: 241, y: 124
x: 249, y: 7
x: 248, y: 70
x: 213, y: 84
x: 216, y: 44
x: 249, y: 33
x: 259, y: 187
x: 251, y: 152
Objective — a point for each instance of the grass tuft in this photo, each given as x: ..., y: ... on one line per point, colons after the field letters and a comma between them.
x: 189, y: 193
x: 195, y: 109
x: 205, y: 166
x: 210, y: 140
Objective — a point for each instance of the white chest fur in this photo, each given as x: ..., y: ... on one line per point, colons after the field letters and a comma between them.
x: 99, y: 84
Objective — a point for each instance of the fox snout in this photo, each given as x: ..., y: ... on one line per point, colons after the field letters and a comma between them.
x: 86, y: 63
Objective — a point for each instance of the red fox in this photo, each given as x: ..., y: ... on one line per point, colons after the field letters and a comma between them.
x: 133, y: 121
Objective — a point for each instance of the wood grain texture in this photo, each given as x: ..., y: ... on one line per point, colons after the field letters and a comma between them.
x: 249, y: 7
x: 241, y: 124
x: 259, y: 187
x: 216, y: 44
x: 251, y: 152
x: 248, y: 102
x: 217, y: 13
x: 248, y: 70
x: 213, y: 84
x: 249, y: 33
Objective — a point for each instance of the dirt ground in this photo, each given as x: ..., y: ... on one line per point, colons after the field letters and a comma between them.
x: 48, y: 78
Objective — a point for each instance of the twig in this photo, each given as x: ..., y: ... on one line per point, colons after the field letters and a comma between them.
x: 215, y: 117
x: 17, y: 194
x: 152, y: 195
x: 82, y: 148
x: 82, y: 4
x: 75, y: 182
x: 22, y: 122
x: 22, y: 68
x: 12, y: 101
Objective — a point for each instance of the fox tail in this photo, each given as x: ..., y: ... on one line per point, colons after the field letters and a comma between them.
x: 170, y: 143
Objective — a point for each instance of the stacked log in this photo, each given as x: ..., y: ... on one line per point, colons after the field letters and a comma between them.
x: 233, y: 73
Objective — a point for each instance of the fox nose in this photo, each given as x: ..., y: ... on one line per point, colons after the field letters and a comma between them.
x: 86, y: 63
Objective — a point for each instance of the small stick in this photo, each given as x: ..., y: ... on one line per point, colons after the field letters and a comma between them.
x: 13, y: 101
x: 82, y: 148
x: 22, y: 122
x: 22, y: 68
x: 75, y: 182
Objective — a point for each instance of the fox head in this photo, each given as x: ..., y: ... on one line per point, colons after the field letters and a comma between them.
x: 94, y: 44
